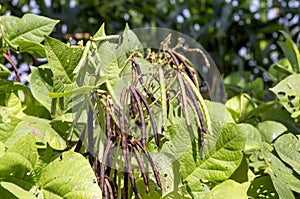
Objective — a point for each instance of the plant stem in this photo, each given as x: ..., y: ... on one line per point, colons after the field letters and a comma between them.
x: 8, y: 58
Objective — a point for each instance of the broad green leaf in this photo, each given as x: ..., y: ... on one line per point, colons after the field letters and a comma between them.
x: 291, y: 52
x: 181, y: 142
x: 25, y: 146
x: 262, y: 187
x: 171, y: 179
x: 219, y: 116
x: 228, y: 189
x: 31, y: 28
x: 129, y: 43
x: 287, y: 146
x: 270, y: 130
x: 41, y: 84
x: 69, y: 176
x: 16, y: 190
x: 33, y: 48
x: 239, y: 106
x: 154, y: 190
x: 62, y: 60
x: 18, y: 162
x: 9, y: 22
x: 13, y: 104
x: 221, y: 162
x: 280, y: 175
x: 41, y: 129
x: 288, y: 92
x: 8, y: 123
x: 253, y: 136
x: 197, y: 189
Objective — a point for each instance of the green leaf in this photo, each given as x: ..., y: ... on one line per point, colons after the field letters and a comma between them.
x: 130, y: 42
x: 8, y: 122
x: 280, y: 175
x: 62, y: 59
x: 41, y: 129
x: 31, y: 28
x: 270, y: 130
x: 18, y: 162
x: 288, y: 93
x: 154, y: 190
x: 239, y: 106
x: 33, y: 48
x: 219, y: 116
x: 9, y: 22
x: 41, y: 84
x: 100, y: 32
x: 228, y: 189
x: 287, y: 146
x: 25, y: 148
x: 16, y: 190
x: 13, y: 104
x: 291, y: 51
x: 221, y: 162
x: 253, y: 136
x: 69, y: 176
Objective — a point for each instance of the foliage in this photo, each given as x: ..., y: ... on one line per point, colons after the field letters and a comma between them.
x: 48, y: 133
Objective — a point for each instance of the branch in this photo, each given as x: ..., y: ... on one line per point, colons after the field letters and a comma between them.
x: 8, y: 58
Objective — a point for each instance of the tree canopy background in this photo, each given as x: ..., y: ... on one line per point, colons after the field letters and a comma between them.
x: 239, y: 35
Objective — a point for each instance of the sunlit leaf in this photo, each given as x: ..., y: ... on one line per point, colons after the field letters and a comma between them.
x: 270, y: 130
x: 287, y: 146
x: 31, y: 28
x: 228, y: 189
x: 62, y: 60
x: 16, y: 190
x: 288, y: 92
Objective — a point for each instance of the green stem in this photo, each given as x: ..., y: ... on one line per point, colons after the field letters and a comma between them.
x: 104, y: 38
x: 83, y: 57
